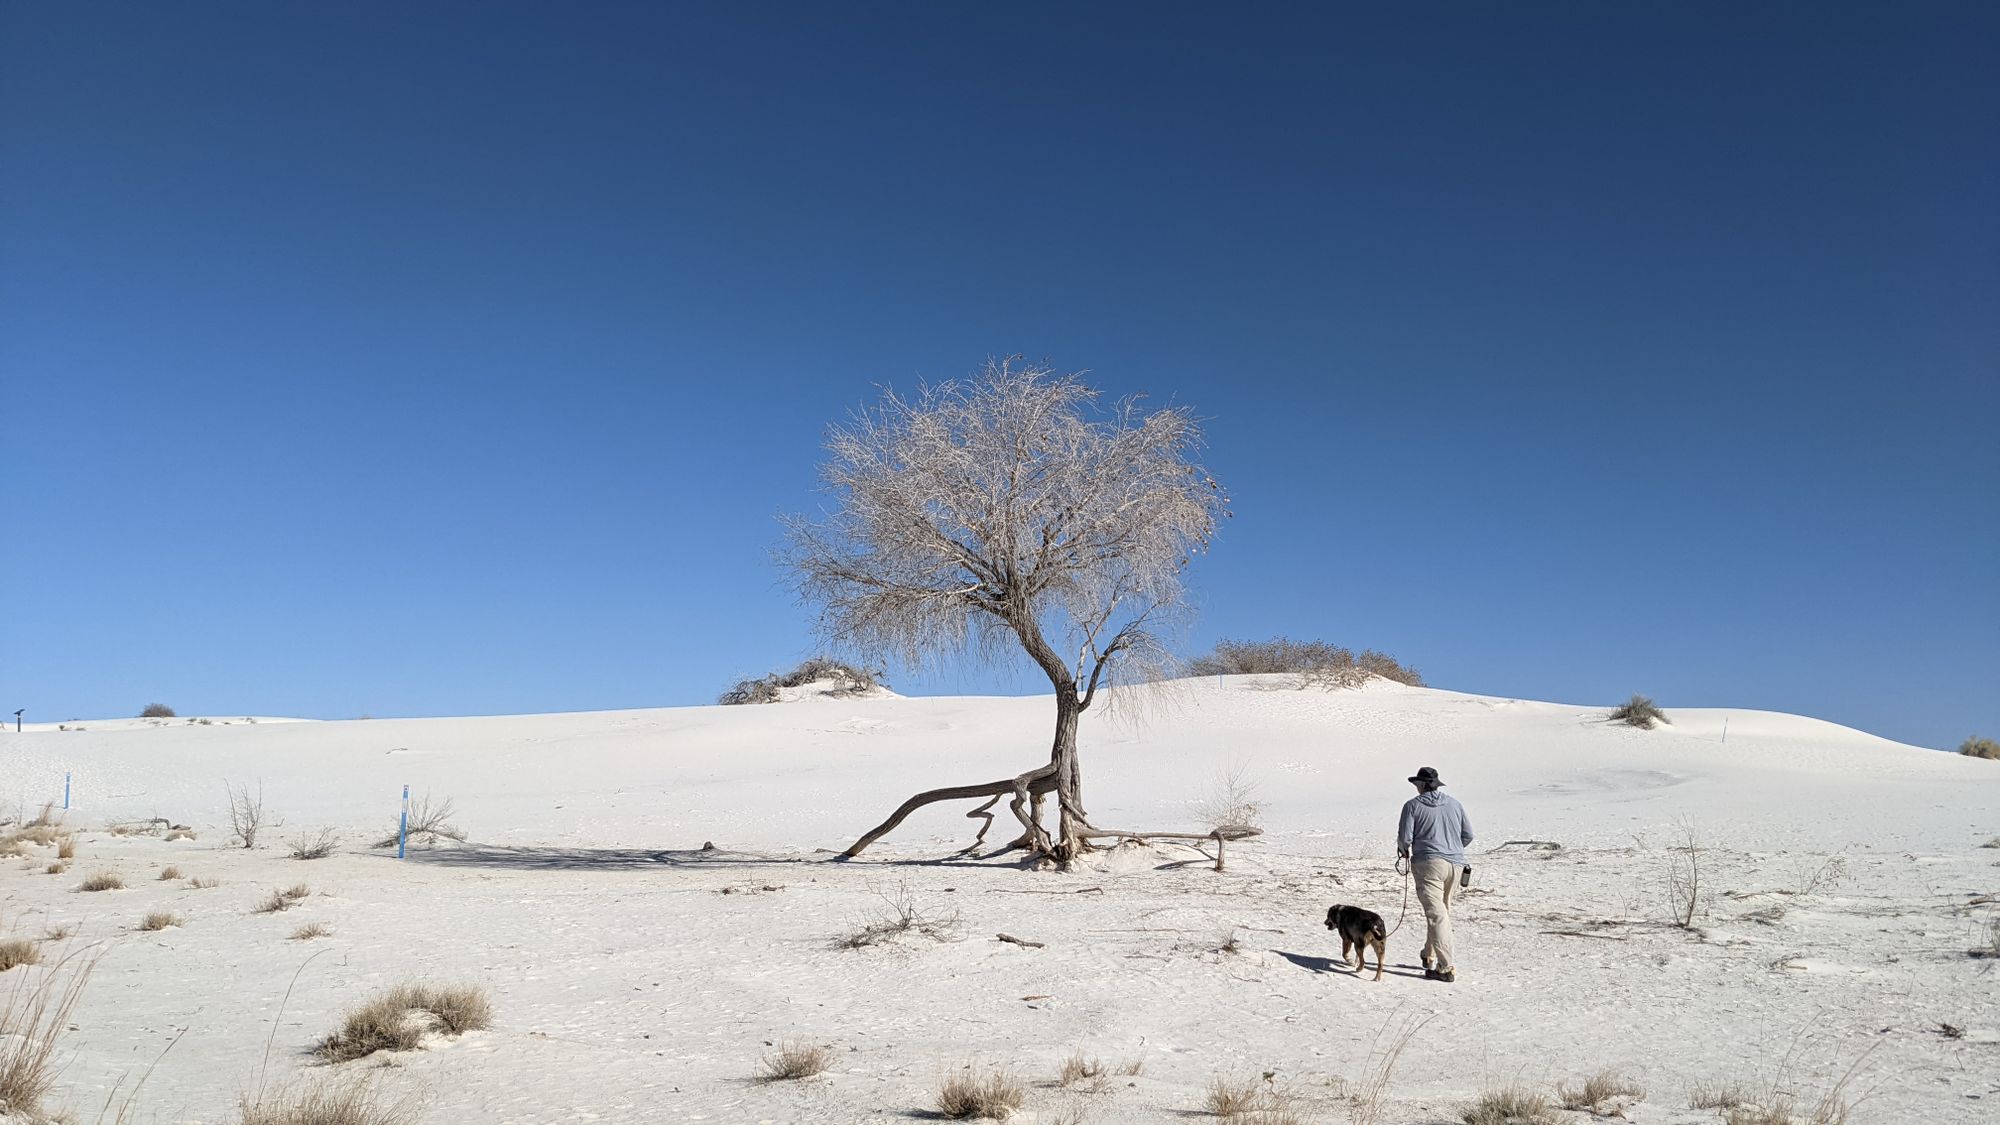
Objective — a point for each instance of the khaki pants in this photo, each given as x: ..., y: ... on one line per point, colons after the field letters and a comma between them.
x: 1436, y: 879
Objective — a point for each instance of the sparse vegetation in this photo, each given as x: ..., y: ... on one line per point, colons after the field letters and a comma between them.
x: 793, y: 1060
x: 56, y: 868
x: 201, y: 883
x: 1077, y: 1067
x: 315, y: 845
x: 430, y: 824
x: 965, y: 1094
x: 33, y: 1016
x: 352, y: 1103
x: 66, y: 847
x: 1383, y: 1055
x: 1980, y: 748
x: 847, y: 680
x: 160, y: 920
x: 246, y: 813
x: 310, y: 931
x: 15, y: 952
x: 1228, y: 1099
x: 1509, y: 1105
x: 1315, y: 663
x: 102, y: 881
x: 167, y: 873
x: 1604, y: 1093
x: 904, y: 915
x: 1231, y: 800
x: 1638, y: 711
x: 1681, y: 876
x: 157, y: 711
x: 283, y: 900
x: 1254, y: 1101
x: 400, y: 1018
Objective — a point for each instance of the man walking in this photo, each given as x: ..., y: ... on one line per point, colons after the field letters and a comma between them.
x: 1432, y: 836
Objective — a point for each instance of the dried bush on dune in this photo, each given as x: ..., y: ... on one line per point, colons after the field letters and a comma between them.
x: 400, y: 1018
x: 1509, y: 1105
x: 964, y: 1094
x: 903, y: 915
x: 1315, y: 663
x: 160, y: 920
x: 315, y: 845
x: 33, y: 1015
x: 1601, y: 1094
x: 66, y: 847
x: 246, y: 813
x: 18, y: 951
x: 1077, y: 1067
x: 278, y: 901
x: 167, y: 873
x: 1980, y: 748
x: 429, y: 824
x: 102, y: 881
x: 1231, y: 800
x: 157, y: 711
x: 846, y: 678
x: 310, y: 931
x: 1717, y: 1095
x: 1638, y: 711
x: 321, y: 1104
x: 793, y: 1060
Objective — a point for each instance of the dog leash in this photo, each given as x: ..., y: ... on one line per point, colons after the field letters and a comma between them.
x: 1403, y: 869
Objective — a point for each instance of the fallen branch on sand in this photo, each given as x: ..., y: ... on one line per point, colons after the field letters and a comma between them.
x: 1011, y: 939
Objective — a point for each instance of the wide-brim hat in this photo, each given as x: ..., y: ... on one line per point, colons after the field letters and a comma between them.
x: 1427, y: 775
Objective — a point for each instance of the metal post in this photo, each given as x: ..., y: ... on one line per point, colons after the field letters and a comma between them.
x: 403, y: 827
x: 17, y: 720
x: 1725, y: 730
x: 65, y: 790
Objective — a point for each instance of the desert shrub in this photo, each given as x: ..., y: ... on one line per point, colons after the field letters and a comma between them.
x: 1509, y: 1105
x: 1231, y: 799
x: 56, y: 868
x: 47, y: 818
x: 160, y: 920
x: 902, y: 914
x: 157, y: 711
x: 102, y: 881
x: 1600, y: 1094
x: 430, y: 824
x: 847, y: 679
x: 1077, y: 1067
x: 66, y: 847
x: 1980, y: 748
x: 321, y: 1104
x: 283, y: 900
x: 400, y: 1018
x: 18, y: 951
x: 1638, y: 711
x: 1316, y: 663
x: 310, y: 931
x: 246, y: 813
x: 59, y: 933
x: 315, y: 845
x: 964, y: 1094
x: 33, y: 1015
x: 1232, y: 1099
x: 202, y: 883
x: 167, y: 873
x: 790, y: 1060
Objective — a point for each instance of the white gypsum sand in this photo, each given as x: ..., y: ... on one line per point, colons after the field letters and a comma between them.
x: 635, y: 977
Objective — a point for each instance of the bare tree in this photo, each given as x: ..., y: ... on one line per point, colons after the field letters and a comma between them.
x: 1010, y: 508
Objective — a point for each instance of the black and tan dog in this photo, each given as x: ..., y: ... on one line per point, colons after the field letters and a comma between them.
x: 1359, y: 929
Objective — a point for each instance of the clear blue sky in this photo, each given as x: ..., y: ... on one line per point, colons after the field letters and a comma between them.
x: 406, y: 359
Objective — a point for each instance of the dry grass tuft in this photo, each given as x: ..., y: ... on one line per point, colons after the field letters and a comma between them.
x: 167, y: 873
x: 1383, y: 1055
x: 1601, y: 1093
x: 1509, y: 1105
x: 322, y: 1104
x: 1638, y: 711
x: 66, y: 847
x: 40, y: 835
x: 1233, y: 1099
x: 200, y: 883
x: 56, y: 868
x: 398, y: 1020
x: 33, y: 1017
x: 1132, y: 1068
x: 905, y: 915
x: 296, y: 891
x: 160, y: 920
x: 18, y: 951
x: 964, y: 1094
x: 430, y: 824
x: 310, y: 931
x: 59, y: 933
x: 102, y: 881
x: 283, y: 900
x: 793, y: 1060
x: 1077, y: 1067
x: 47, y: 818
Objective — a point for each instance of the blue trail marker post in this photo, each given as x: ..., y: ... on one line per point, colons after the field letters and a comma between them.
x: 65, y: 790
x: 403, y: 826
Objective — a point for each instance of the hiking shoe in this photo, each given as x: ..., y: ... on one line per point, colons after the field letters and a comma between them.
x: 1430, y: 973
x: 1445, y: 975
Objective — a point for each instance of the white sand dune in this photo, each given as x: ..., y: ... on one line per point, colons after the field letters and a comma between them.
x: 629, y: 986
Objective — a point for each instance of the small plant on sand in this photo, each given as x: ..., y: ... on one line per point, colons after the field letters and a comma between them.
x: 904, y: 915
x: 1680, y: 876
x: 400, y: 1018
x: 965, y: 1094
x: 794, y: 1059
x: 1605, y: 1094
x: 160, y: 920
x: 1638, y: 711
x: 310, y: 931
x: 1384, y: 1052
x: 429, y: 825
x: 66, y: 846
x: 1232, y: 1099
x: 1078, y: 1067
x: 18, y: 951
x: 278, y: 901
x: 1980, y: 748
x: 246, y: 813
x: 102, y: 881
x: 56, y: 868
x: 167, y: 873
x: 315, y: 845
x: 1231, y: 800
x: 47, y: 818
x: 33, y: 1015
x: 201, y: 883
x: 1509, y: 1105
x: 325, y: 1103
x: 157, y: 711
x: 59, y: 933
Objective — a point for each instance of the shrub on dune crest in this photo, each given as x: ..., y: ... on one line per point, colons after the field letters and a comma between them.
x: 1980, y: 748
x: 1316, y: 663
x: 157, y: 711
x: 1638, y: 711
x: 847, y: 680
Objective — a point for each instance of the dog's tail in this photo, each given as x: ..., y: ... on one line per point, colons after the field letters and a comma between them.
x: 1380, y: 931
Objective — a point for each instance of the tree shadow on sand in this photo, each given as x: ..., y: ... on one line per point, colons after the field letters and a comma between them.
x: 643, y: 859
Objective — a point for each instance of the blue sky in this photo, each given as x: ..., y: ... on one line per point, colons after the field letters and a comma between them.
x: 440, y: 359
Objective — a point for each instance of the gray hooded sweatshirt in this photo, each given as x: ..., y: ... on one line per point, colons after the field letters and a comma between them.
x: 1434, y: 826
